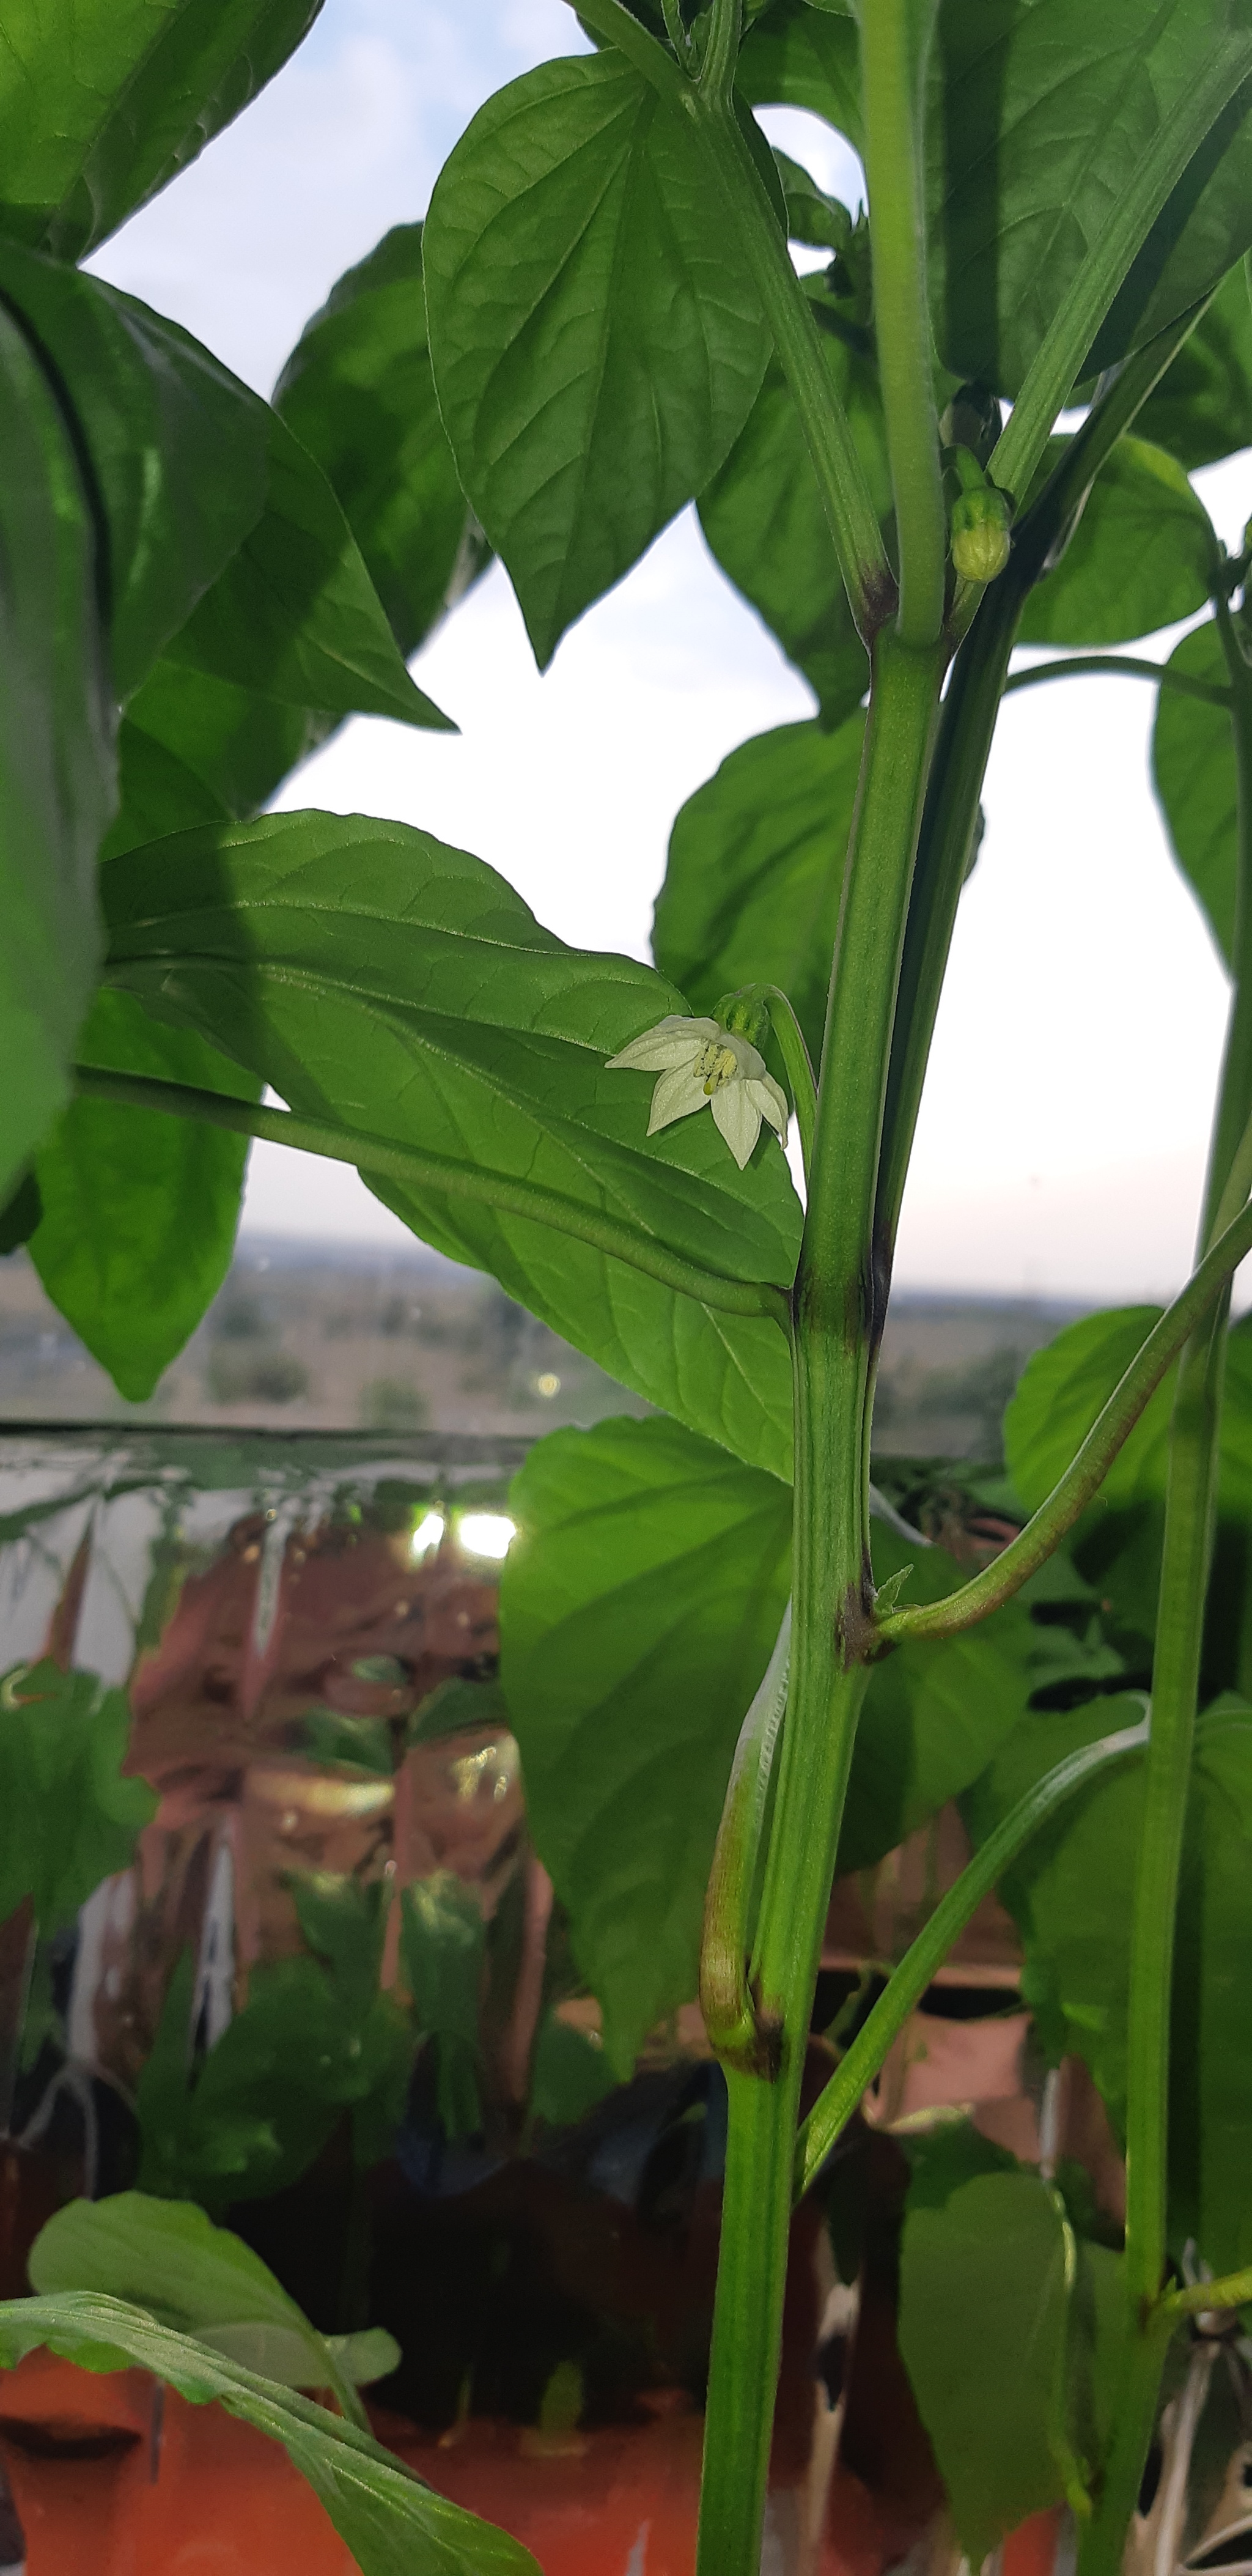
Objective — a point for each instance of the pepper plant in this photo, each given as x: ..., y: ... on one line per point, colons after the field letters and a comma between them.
x: 602, y: 321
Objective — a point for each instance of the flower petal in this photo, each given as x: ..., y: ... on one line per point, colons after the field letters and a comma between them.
x: 771, y: 1100
x: 737, y: 1118
x: 750, y: 1061
x: 677, y: 1095
x: 675, y: 1040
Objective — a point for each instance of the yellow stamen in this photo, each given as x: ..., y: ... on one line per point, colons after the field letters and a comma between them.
x: 714, y: 1066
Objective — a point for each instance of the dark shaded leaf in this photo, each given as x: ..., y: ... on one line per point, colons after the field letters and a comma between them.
x: 139, y: 1210
x: 765, y: 523
x: 797, y: 54
x: 376, y: 977
x: 755, y: 871
x: 596, y: 346
x: 1193, y: 772
x: 812, y: 217
x: 442, y: 1947
x: 57, y: 782
x: 1202, y: 407
x: 177, y: 445
x: 359, y: 394
x: 193, y: 749
x: 1142, y: 556
x: 20, y: 1216
x: 393, y: 2525
x: 69, y: 1817
x: 1039, y: 118
x: 1071, y: 1894
x: 101, y: 105
x: 295, y: 614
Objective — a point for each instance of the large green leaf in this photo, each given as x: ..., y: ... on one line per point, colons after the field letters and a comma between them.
x: 1141, y: 556
x: 1071, y: 1893
x: 69, y: 1817
x: 101, y: 104
x: 139, y: 1210
x: 393, y: 2525
x: 596, y: 345
x: 374, y: 976
x: 169, y: 2258
x: 359, y: 394
x: 640, y: 1601
x: 765, y: 522
x: 1065, y: 1386
x: 192, y: 749
x: 1005, y: 2327
x: 800, y: 55
x: 57, y: 781
x: 1193, y: 771
x: 1202, y: 407
x: 1040, y: 118
x: 755, y: 871
x: 295, y: 614
x: 177, y: 446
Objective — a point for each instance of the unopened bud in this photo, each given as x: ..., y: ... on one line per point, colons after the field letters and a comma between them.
x: 980, y: 533
x: 745, y: 1014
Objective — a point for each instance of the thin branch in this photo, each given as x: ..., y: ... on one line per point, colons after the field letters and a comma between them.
x: 439, y: 1172
x: 893, y: 84
x: 1208, y: 2298
x: 906, y: 1986
x: 1130, y: 666
x: 625, y: 34
x: 1033, y: 1545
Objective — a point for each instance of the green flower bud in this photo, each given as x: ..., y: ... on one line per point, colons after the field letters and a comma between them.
x: 980, y: 533
x: 745, y: 1013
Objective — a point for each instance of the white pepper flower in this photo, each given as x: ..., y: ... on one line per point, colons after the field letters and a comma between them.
x: 701, y: 1066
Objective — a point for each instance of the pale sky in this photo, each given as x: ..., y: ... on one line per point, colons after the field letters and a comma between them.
x: 1062, y: 1140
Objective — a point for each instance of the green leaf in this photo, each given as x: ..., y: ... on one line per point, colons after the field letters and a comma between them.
x: 295, y: 614
x: 359, y: 394
x: 1202, y: 407
x: 1065, y: 1386
x: 596, y: 346
x: 70, y: 1818
x: 101, y: 105
x: 20, y: 1214
x: 391, y: 2523
x: 442, y: 1943
x: 139, y: 1210
x: 801, y: 55
x: 755, y: 871
x: 167, y: 2257
x: 986, y: 2329
x: 1071, y: 1894
x: 1040, y: 118
x: 177, y: 446
x: 765, y: 523
x: 57, y: 779
x: 1193, y: 771
x: 812, y: 217
x: 639, y: 1605
x: 197, y: 750
x: 1142, y: 556
x: 376, y: 977
x: 250, y: 2117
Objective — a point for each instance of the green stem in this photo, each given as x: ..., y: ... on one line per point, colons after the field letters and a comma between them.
x: 798, y: 1069
x: 1058, y: 363
x: 853, y: 521
x: 838, y: 1303
x: 725, y: 2002
x: 1186, y: 1558
x: 721, y: 53
x: 895, y: 39
x: 620, y: 29
x: 1129, y: 666
x: 1207, y: 2298
x: 999, y: 1581
x: 437, y: 1171
x: 907, y: 1984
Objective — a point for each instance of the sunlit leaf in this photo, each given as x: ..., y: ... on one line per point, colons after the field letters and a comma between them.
x: 596, y: 345
x: 1193, y: 770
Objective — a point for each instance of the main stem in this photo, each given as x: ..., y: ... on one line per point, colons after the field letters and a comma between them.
x: 1190, y: 1508
x: 840, y: 1300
